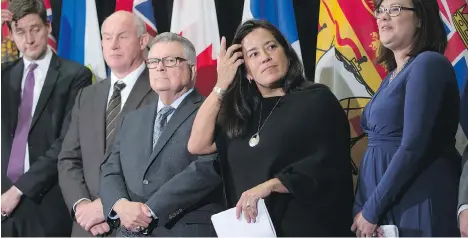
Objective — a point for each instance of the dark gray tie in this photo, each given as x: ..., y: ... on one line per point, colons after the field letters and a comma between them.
x: 161, y: 122
x: 113, y: 110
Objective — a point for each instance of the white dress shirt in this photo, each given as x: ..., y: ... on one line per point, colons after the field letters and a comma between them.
x: 39, y: 78
x: 461, y: 209
x: 129, y: 81
x: 175, y: 104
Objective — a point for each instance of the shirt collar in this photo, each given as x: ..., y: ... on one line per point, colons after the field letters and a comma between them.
x: 130, y: 79
x: 42, y: 64
x: 176, y: 103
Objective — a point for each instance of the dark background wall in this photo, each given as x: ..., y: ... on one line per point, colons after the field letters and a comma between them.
x: 229, y: 14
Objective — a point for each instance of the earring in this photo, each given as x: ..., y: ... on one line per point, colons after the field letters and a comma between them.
x: 250, y: 80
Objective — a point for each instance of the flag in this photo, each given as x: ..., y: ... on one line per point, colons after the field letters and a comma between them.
x: 196, y: 21
x: 51, y: 40
x: 5, y: 30
x: 80, y: 38
x: 9, y: 50
x: 454, y: 14
x: 347, y: 42
x: 143, y: 9
x: 280, y: 13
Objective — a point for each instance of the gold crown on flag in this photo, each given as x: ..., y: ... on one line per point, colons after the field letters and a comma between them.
x: 460, y: 21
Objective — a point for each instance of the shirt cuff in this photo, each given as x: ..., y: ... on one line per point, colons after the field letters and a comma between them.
x: 112, y: 214
x: 152, y: 213
x: 461, y: 209
x: 76, y: 203
x: 19, y: 191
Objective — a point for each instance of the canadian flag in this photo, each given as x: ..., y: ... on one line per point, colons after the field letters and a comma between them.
x: 196, y: 21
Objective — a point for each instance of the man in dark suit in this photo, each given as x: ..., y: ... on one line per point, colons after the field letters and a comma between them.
x: 150, y: 182
x: 97, y: 111
x: 463, y: 190
x: 38, y: 91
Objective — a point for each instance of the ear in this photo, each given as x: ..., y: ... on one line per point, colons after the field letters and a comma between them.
x: 144, y: 40
x: 194, y: 72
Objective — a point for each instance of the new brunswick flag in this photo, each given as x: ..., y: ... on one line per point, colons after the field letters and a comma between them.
x: 347, y: 44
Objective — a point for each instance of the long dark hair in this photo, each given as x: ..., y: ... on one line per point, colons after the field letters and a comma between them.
x: 243, y: 97
x: 430, y: 36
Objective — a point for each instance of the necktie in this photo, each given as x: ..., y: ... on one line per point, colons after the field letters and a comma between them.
x: 18, y: 149
x: 161, y: 122
x: 113, y: 110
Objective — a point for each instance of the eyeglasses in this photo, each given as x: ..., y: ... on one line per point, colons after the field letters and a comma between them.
x: 167, y: 61
x: 392, y: 11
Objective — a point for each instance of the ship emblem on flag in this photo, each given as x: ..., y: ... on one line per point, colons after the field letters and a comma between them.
x: 347, y: 44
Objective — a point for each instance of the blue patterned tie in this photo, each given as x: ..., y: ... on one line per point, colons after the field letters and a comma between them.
x: 161, y: 122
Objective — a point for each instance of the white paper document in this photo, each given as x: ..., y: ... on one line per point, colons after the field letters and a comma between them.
x: 227, y: 225
x: 389, y: 230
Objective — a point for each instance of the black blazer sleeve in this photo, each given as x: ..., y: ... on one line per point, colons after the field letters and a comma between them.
x: 327, y: 166
x: 42, y: 174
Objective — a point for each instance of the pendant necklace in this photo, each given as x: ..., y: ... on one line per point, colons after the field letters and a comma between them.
x: 255, y: 139
x: 397, y: 71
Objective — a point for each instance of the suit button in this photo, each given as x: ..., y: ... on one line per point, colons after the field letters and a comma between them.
x: 145, y: 181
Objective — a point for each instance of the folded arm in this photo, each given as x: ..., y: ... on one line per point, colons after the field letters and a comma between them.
x: 112, y: 181
x: 70, y: 164
x: 185, y: 189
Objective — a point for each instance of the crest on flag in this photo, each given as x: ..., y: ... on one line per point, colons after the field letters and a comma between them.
x: 454, y: 14
x: 347, y: 44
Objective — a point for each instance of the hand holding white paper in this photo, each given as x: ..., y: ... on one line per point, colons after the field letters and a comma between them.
x: 227, y: 225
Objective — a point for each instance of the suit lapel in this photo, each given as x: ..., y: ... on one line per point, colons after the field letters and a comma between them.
x: 99, y: 113
x: 49, y: 84
x: 185, y: 109
x: 16, y: 77
x: 147, y: 130
x: 139, y: 92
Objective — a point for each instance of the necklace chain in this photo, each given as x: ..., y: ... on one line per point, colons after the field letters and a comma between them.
x: 396, y: 71
x: 261, y: 109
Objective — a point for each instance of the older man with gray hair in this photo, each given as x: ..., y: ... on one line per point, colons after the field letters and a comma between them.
x: 95, y: 118
x: 150, y: 183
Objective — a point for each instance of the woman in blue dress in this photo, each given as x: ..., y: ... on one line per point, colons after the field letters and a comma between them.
x: 410, y: 172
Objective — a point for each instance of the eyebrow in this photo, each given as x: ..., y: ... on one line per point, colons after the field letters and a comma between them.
x: 110, y: 34
x: 392, y: 4
x: 21, y: 28
x: 266, y: 43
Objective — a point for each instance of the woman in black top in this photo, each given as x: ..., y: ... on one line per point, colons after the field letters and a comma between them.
x: 279, y: 137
